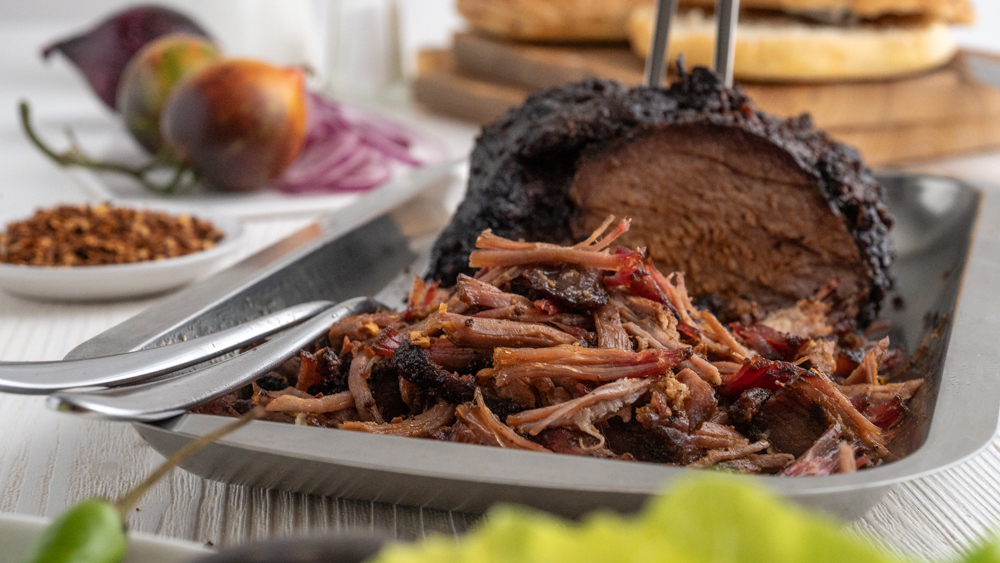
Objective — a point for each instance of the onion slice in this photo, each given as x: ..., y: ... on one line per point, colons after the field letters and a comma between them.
x: 348, y: 149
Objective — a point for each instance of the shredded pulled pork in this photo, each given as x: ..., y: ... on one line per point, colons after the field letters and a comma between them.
x: 590, y: 350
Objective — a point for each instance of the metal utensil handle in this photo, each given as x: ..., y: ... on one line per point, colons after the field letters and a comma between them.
x: 727, y: 13
x: 34, y: 378
x: 656, y: 59
x: 160, y: 400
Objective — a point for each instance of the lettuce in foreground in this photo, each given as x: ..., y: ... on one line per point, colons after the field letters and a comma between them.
x: 708, y: 519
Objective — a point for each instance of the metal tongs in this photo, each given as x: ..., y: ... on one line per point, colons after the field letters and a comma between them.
x: 41, y: 378
x: 726, y: 15
x: 166, y: 398
x: 119, y: 387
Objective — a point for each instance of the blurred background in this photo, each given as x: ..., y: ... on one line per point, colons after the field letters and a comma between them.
x: 421, y: 62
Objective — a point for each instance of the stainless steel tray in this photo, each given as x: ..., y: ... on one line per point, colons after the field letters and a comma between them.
x: 942, y: 251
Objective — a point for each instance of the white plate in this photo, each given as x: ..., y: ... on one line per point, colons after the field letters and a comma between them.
x: 121, y: 281
x: 18, y: 532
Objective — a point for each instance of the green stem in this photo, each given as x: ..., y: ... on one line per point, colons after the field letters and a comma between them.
x: 183, y: 177
x: 131, y: 497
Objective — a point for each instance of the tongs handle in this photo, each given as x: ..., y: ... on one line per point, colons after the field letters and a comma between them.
x: 159, y: 400
x: 726, y: 16
x: 37, y: 378
x: 727, y: 13
x: 656, y: 59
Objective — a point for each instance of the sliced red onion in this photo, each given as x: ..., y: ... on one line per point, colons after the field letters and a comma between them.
x: 348, y: 149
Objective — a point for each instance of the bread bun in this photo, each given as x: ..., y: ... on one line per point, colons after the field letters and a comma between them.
x: 552, y: 20
x: 783, y: 49
x: 952, y: 11
x: 605, y: 20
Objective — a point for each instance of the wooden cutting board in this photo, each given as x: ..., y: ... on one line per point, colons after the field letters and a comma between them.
x: 951, y: 110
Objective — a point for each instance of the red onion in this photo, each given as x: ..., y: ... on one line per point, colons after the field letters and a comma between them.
x: 348, y: 149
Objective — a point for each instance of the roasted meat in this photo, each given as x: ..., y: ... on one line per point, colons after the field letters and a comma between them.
x: 590, y: 350
x: 748, y: 206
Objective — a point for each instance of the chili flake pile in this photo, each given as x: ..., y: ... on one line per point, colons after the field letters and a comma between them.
x: 85, y: 235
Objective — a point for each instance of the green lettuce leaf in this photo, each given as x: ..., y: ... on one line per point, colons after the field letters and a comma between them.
x: 706, y: 519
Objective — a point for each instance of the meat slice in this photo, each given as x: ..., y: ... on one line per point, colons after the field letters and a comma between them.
x: 731, y: 209
x: 746, y: 204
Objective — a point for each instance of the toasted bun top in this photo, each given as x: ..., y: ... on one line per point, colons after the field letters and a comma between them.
x: 552, y: 20
x: 605, y: 20
x: 785, y: 49
x: 951, y: 11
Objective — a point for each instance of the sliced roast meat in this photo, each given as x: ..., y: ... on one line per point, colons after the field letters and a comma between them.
x: 788, y: 425
x: 746, y: 204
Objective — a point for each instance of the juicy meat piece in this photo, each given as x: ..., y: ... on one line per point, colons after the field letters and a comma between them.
x: 585, y: 364
x: 480, y: 426
x: 488, y: 333
x: 788, y: 425
x: 742, y: 411
x: 820, y: 390
x: 361, y: 327
x: 413, y: 365
x: 481, y: 294
x: 882, y: 393
x: 746, y: 204
x: 727, y: 454
x: 328, y: 403
x: 731, y: 209
x: 384, y: 386
x: 807, y: 319
x: 610, y: 333
x: 583, y: 412
x: 700, y: 403
x: 566, y: 441
x: 762, y: 373
x: 580, y: 287
x: 823, y: 458
x: 453, y: 358
x: 867, y: 372
x: 494, y: 251
x: 357, y: 382
x: 770, y: 343
x: 758, y: 463
x: 424, y: 424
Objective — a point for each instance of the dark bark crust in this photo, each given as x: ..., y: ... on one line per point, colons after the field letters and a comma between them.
x: 523, y: 165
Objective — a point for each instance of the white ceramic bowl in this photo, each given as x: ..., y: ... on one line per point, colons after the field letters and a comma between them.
x: 18, y: 533
x: 119, y: 281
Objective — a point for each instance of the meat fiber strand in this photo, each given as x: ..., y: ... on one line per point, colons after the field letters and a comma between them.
x: 419, y: 426
x: 311, y: 405
x: 583, y: 411
x: 357, y: 382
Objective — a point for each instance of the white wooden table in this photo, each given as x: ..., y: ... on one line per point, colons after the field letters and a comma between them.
x: 49, y: 461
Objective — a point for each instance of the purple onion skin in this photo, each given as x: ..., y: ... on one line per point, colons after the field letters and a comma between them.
x: 238, y: 123
x: 102, y: 53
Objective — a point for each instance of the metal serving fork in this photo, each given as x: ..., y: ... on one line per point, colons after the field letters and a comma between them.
x: 159, y: 400
x: 40, y: 378
x: 726, y: 14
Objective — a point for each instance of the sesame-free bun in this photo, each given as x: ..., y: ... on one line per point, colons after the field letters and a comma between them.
x: 775, y: 48
x: 551, y: 20
x: 606, y: 20
x: 951, y: 11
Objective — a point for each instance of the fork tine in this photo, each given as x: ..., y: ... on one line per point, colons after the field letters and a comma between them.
x: 160, y: 400
x: 657, y: 57
x: 727, y: 12
x: 39, y: 378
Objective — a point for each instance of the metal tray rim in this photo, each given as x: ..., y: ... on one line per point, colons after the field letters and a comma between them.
x: 972, y: 349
